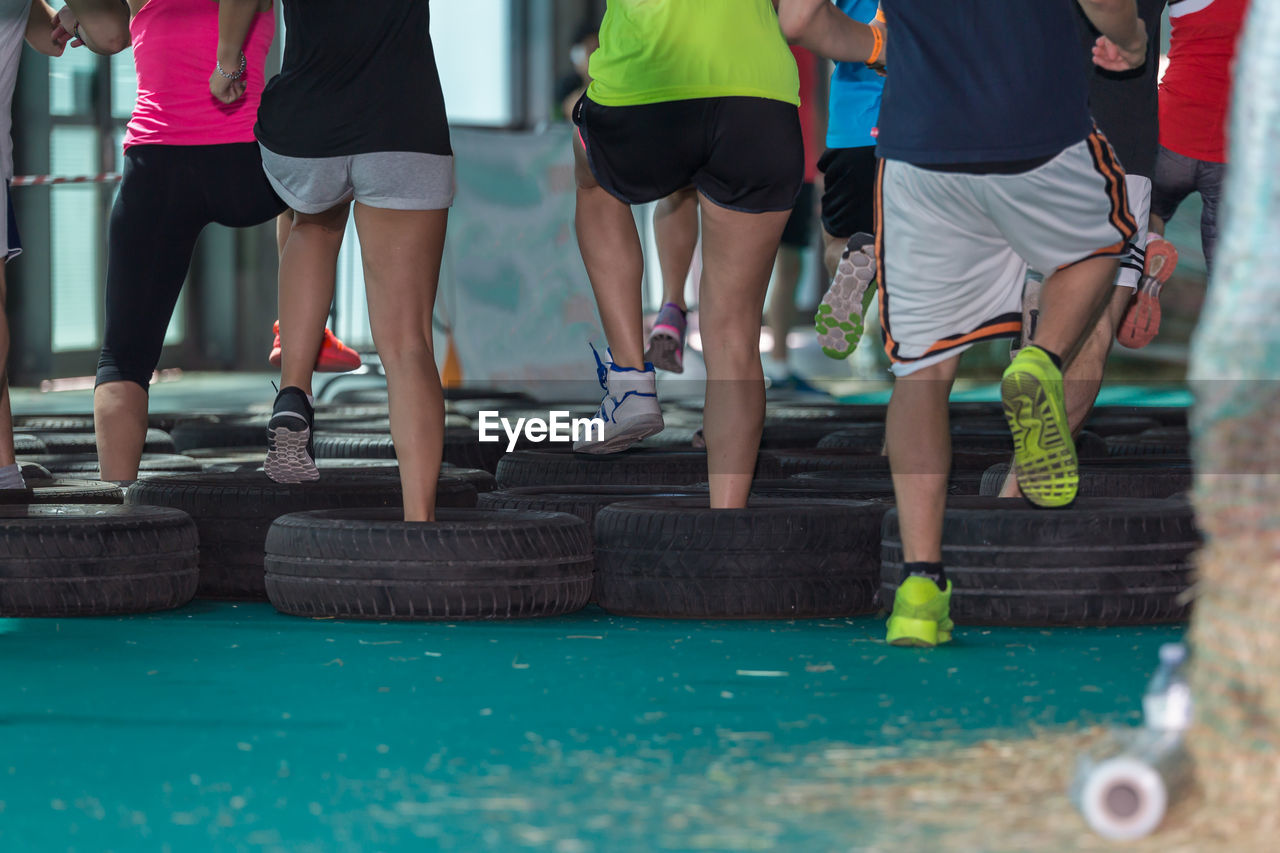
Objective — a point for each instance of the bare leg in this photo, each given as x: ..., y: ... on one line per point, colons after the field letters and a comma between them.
x: 832, y: 250
x: 307, y: 274
x: 675, y: 231
x: 120, y: 421
x: 1069, y: 302
x: 611, y: 251
x: 284, y: 222
x: 402, y: 250
x: 917, y: 428
x: 782, y: 302
x: 739, y: 249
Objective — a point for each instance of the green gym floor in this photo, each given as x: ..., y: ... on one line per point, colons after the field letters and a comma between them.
x: 231, y: 727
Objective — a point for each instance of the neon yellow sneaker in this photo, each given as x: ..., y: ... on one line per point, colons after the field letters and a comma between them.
x: 921, y: 614
x: 1044, y: 454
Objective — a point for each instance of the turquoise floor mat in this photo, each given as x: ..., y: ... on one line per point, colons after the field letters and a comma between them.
x: 230, y: 727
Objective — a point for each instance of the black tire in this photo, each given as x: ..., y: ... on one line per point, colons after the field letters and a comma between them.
x: 64, y: 491
x: 1109, y: 425
x: 1174, y: 416
x: 462, y: 447
x: 367, y: 564
x: 54, y: 423
x: 1090, y: 445
x: 1120, y: 477
x: 863, y: 438
x: 1165, y: 441
x: 234, y: 511
x: 776, y: 559
x: 215, y: 431
x: 841, y: 486
x: 637, y: 467
x: 583, y: 501
x: 59, y: 442
x: 26, y: 444
x: 33, y: 470
x: 792, y: 462
x: 95, y: 560
x: 87, y: 463
x: 1104, y: 561
x: 838, y: 484
x: 377, y: 426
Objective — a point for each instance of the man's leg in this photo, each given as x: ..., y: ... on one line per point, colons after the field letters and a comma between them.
x: 782, y: 303
x: 918, y: 435
x: 10, y: 477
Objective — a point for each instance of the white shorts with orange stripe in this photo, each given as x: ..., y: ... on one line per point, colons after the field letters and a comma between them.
x: 954, y: 248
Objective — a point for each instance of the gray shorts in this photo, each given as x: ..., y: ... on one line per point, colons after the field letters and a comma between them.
x: 392, y: 180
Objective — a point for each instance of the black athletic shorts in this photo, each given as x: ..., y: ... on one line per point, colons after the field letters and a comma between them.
x: 745, y: 154
x: 848, y: 197
x: 800, y: 226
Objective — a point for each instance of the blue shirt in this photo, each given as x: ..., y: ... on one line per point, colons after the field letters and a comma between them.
x: 982, y: 81
x: 855, y: 91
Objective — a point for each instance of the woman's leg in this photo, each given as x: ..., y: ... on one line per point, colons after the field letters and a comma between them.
x: 150, y: 238
x: 611, y: 252
x: 738, y: 250
x: 675, y: 231
x: 307, y: 276
x: 402, y: 250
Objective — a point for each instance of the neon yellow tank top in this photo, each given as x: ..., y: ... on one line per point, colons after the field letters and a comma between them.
x: 677, y: 50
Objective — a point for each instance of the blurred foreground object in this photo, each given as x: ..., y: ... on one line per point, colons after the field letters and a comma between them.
x: 1125, y: 786
x: 1235, y: 374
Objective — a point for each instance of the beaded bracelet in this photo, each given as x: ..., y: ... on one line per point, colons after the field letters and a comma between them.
x: 238, y: 74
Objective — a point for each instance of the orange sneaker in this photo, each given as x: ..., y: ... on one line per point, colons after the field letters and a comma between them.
x: 1141, y: 321
x: 334, y: 357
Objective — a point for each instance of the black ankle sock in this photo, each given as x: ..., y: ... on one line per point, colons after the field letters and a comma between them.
x: 1054, y: 357
x: 932, y: 571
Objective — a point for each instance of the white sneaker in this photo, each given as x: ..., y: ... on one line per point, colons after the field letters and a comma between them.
x: 629, y: 410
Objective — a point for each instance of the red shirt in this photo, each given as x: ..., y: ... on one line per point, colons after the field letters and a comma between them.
x: 808, y: 68
x: 1196, y: 89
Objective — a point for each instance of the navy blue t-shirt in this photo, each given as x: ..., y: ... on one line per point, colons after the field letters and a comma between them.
x: 982, y: 81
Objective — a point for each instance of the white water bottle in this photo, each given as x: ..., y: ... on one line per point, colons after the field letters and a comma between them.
x: 1166, y: 706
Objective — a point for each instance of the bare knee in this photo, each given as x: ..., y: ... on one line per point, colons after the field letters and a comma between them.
x: 329, y: 225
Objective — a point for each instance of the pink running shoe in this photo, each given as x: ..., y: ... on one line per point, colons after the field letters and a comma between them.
x: 665, y: 347
x: 1141, y: 321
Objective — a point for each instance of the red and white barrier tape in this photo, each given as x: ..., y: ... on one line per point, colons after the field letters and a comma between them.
x: 52, y: 180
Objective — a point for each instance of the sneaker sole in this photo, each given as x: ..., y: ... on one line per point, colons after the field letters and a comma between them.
x: 638, y: 430
x: 1141, y: 321
x: 840, y: 318
x: 1044, y: 455
x: 288, y: 461
x: 918, y: 633
x: 665, y: 353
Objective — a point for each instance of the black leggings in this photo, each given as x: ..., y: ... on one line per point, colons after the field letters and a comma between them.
x: 169, y: 193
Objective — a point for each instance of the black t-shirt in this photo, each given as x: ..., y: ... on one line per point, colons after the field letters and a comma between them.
x: 357, y: 78
x: 981, y: 81
x: 1125, y: 104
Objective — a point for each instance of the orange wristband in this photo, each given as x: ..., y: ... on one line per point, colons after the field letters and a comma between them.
x: 878, y: 49
x: 880, y: 14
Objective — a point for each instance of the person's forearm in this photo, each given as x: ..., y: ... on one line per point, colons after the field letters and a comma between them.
x: 824, y: 29
x: 104, y: 24
x: 39, y: 34
x: 1117, y: 20
x: 235, y: 18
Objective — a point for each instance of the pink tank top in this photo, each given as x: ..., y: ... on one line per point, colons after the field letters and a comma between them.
x: 175, y: 45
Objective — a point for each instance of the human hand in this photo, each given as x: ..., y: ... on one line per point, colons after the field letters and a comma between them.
x: 64, y: 28
x: 225, y: 89
x: 1111, y: 57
